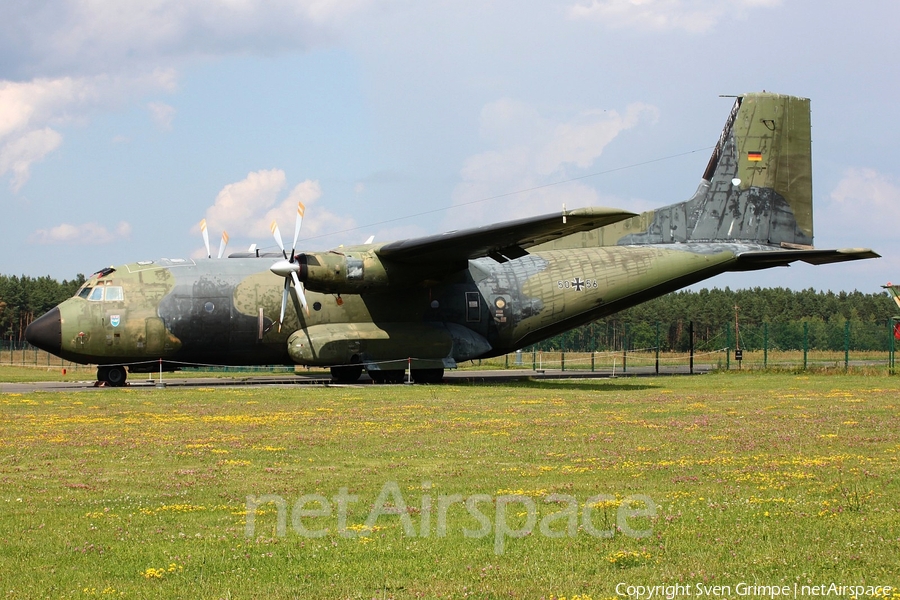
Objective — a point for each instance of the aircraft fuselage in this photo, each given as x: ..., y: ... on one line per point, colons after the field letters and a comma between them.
x: 225, y: 312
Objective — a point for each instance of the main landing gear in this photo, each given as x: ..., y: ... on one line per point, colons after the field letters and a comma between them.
x: 352, y: 373
x: 113, y: 376
x: 346, y: 373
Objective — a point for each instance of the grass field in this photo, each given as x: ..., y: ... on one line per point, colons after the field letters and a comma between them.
x: 442, y: 491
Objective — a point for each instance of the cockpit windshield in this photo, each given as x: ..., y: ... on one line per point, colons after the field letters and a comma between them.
x: 102, y: 293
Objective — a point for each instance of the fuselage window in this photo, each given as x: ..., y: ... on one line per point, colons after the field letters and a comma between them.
x: 354, y: 268
x: 96, y: 294
x: 114, y: 293
x: 84, y: 292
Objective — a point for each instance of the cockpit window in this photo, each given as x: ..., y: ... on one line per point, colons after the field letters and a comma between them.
x: 114, y: 293
x: 108, y: 293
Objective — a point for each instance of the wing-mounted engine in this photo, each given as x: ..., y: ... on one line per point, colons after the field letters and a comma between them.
x: 348, y: 272
x: 343, y: 272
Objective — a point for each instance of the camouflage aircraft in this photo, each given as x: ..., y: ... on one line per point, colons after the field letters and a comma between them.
x: 435, y: 301
x: 894, y: 291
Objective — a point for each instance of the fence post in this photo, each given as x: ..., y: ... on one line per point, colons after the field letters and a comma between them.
x: 562, y: 360
x: 625, y: 348
x: 691, y: 334
x: 765, y: 345
x: 846, y: 345
x: 805, y: 343
x: 894, y: 322
x: 728, y: 347
x: 592, y: 361
x: 657, y: 347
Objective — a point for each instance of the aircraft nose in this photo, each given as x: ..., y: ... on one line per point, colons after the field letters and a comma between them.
x: 46, y: 332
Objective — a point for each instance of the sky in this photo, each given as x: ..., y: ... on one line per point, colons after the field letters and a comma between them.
x: 124, y: 123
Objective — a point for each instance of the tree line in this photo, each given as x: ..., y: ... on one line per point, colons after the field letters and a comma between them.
x: 777, y: 318
x: 23, y: 299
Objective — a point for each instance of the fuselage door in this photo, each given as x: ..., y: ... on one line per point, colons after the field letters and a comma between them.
x: 156, y: 336
x: 473, y: 307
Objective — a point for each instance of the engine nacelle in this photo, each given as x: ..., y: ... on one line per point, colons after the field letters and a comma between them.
x: 343, y: 273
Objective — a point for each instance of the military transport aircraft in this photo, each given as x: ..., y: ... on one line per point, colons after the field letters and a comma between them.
x: 894, y: 291
x: 434, y: 301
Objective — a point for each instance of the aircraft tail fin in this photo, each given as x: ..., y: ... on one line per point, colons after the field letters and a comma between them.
x: 894, y: 291
x: 756, y: 188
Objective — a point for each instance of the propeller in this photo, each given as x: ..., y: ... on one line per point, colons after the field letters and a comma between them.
x: 289, y: 268
x: 205, y: 237
x: 222, y: 244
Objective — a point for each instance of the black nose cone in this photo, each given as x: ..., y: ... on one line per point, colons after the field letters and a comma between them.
x: 46, y: 332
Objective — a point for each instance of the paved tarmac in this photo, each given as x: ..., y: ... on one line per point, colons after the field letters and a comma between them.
x: 452, y: 377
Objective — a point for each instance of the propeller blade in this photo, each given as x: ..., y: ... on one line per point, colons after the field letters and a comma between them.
x: 205, y: 237
x: 223, y: 243
x: 300, y: 210
x: 284, y: 299
x: 277, y: 234
x: 299, y: 287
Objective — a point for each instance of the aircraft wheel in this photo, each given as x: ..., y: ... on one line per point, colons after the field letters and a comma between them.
x: 428, y: 375
x: 346, y: 374
x: 114, y: 376
x: 387, y: 376
x: 396, y: 376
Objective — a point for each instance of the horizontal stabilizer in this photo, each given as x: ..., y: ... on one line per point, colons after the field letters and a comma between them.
x: 763, y: 259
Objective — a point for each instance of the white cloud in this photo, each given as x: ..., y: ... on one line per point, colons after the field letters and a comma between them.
x: 31, y: 111
x: 86, y: 234
x: 246, y: 209
x: 26, y: 110
x: 864, y: 200
x: 582, y: 140
x: 531, y: 154
x: 64, y: 59
x: 89, y: 36
x: 19, y: 154
x: 693, y: 16
x: 162, y: 114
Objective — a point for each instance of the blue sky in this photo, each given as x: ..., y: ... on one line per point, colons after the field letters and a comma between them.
x: 123, y: 124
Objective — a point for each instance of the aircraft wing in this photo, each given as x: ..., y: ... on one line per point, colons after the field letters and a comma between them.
x: 749, y: 261
x: 501, y: 241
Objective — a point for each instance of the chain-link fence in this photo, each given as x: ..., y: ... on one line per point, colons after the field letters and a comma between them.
x: 660, y: 348
x: 23, y: 354
x: 685, y: 347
